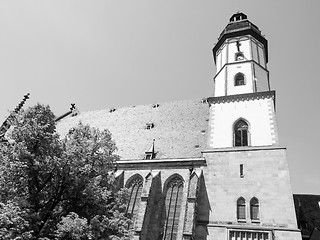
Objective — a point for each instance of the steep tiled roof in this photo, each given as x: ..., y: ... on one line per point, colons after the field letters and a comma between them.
x: 180, y: 128
x: 308, y: 214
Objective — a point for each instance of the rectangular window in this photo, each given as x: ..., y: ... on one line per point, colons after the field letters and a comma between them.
x: 255, y: 212
x: 242, y: 212
x: 241, y: 170
x: 248, y: 235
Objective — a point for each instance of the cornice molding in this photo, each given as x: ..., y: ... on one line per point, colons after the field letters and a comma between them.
x: 243, y: 149
x: 161, y: 163
x: 236, y: 226
x: 241, y: 97
x: 240, y: 62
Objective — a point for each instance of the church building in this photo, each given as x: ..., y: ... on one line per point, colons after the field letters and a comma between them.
x: 211, y: 168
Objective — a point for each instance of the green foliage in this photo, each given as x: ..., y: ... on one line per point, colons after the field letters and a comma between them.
x: 60, y: 188
x: 12, y: 222
x: 73, y: 227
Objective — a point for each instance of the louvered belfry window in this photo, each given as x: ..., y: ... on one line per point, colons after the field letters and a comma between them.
x: 135, y: 188
x: 173, y: 203
x: 254, y: 209
x: 241, y: 208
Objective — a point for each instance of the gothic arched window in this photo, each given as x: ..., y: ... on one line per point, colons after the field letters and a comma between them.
x: 254, y: 209
x: 240, y: 133
x: 173, y: 203
x: 241, y: 209
x: 239, y: 80
x: 135, y: 189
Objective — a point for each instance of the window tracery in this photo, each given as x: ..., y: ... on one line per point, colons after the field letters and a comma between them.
x: 173, y: 201
x: 135, y: 189
x: 241, y: 133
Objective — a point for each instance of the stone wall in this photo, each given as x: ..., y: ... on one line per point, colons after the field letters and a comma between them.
x: 265, y: 176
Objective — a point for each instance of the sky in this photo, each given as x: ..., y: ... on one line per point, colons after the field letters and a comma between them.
x: 103, y: 54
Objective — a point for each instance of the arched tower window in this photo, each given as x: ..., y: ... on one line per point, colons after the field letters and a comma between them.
x: 135, y: 189
x: 173, y: 203
x: 240, y: 133
x: 254, y: 209
x: 239, y: 56
x: 239, y: 79
x: 241, y: 209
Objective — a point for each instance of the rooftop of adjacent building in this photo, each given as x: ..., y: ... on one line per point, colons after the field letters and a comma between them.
x: 308, y: 214
x: 179, y: 128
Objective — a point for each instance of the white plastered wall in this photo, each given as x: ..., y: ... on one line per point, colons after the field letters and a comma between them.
x: 245, y: 48
x: 259, y: 114
x: 261, y: 78
x: 244, y: 68
x: 250, y: 47
x: 228, y: 67
x: 219, y: 83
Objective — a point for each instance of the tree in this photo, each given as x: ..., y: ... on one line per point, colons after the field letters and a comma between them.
x: 54, y: 182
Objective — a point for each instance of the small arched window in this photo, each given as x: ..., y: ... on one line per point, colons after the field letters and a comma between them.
x: 239, y: 56
x: 254, y: 209
x: 173, y: 203
x: 241, y: 209
x: 135, y: 189
x: 239, y: 79
x: 240, y: 133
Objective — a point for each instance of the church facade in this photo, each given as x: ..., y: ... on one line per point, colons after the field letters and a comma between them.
x: 211, y: 168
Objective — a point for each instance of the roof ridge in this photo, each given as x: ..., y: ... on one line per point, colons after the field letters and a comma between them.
x: 114, y: 108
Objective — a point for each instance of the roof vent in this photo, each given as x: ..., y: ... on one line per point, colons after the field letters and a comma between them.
x: 197, y: 146
x: 112, y: 110
x: 155, y: 105
x: 149, y: 125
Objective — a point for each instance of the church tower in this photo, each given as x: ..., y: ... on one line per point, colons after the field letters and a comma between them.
x: 215, y: 169
x: 247, y: 182
x: 242, y: 81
